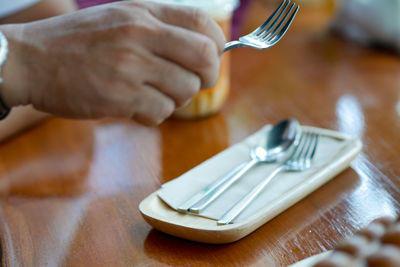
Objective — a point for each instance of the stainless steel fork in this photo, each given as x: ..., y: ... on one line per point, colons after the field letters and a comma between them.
x: 271, y: 31
x: 300, y: 160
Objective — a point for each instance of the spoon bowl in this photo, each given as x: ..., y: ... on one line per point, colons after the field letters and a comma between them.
x: 278, y: 142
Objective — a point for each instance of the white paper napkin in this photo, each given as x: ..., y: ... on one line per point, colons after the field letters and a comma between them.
x: 182, y: 188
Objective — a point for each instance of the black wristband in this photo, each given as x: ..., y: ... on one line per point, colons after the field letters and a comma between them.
x: 4, y: 109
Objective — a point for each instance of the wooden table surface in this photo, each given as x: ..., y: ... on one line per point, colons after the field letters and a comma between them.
x: 70, y: 190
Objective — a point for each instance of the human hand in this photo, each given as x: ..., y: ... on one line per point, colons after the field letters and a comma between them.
x: 128, y: 59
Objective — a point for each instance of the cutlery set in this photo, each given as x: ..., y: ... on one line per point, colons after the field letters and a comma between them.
x: 285, y: 144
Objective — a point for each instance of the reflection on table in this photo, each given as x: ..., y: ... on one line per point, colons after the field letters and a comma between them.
x: 69, y: 191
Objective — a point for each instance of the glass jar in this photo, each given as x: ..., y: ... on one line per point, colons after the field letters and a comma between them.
x: 209, y: 101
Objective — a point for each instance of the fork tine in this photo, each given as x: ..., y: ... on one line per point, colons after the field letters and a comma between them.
x: 299, y: 148
x: 306, y: 144
x: 270, y: 18
x: 276, y: 39
x: 273, y: 31
x: 272, y: 26
x: 312, y: 149
x: 305, y: 158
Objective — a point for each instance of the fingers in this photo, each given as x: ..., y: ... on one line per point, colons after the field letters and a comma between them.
x: 151, y: 107
x: 174, y: 81
x: 191, y: 50
x: 190, y: 18
x: 187, y: 37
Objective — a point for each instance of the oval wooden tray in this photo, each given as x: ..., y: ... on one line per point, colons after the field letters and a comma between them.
x: 164, y: 218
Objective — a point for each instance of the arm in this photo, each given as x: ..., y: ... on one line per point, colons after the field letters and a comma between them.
x: 25, y: 116
x: 132, y: 59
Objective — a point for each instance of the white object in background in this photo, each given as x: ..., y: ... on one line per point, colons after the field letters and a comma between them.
x: 8, y: 7
x: 370, y: 21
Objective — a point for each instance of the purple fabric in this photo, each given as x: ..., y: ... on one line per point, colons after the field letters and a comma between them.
x: 88, y: 3
x: 238, y: 17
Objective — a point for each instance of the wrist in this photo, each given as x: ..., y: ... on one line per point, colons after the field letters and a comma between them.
x: 13, y: 89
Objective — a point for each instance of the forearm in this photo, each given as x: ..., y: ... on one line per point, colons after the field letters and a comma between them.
x: 15, y: 71
x: 24, y: 116
x: 12, y: 73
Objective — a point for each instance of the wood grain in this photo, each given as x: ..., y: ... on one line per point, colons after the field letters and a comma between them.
x: 70, y: 190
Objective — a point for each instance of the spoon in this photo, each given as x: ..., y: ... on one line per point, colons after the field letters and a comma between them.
x: 280, y: 138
